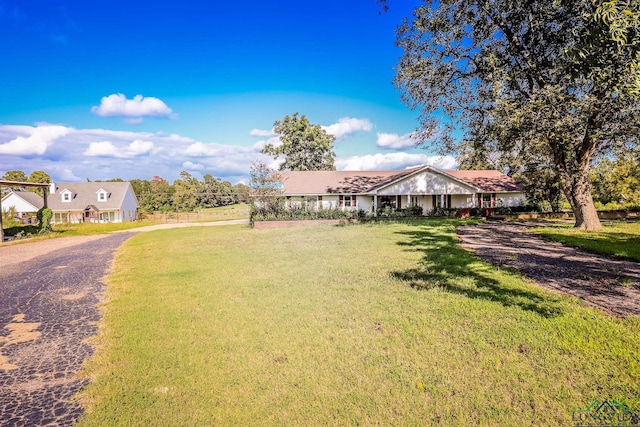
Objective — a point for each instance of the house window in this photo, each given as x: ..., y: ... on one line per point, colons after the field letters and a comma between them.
x: 414, y: 200
x: 102, y: 196
x: 108, y: 216
x: 348, y: 201
x: 488, y: 200
x: 441, y: 201
x: 387, y: 201
x: 66, y: 197
x: 60, y: 217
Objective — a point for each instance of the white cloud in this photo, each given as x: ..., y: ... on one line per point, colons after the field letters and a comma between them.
x: 117, y: 105
x: 275, y: 141
x: 348, y: 125
x: 108, y: 149
x: 198, y: 149
x: 261, y: 133
x: 36, y: 142
x: 100, y: 154
x: 193, y: 166
x: 393, y: 161
x: 395, y: 141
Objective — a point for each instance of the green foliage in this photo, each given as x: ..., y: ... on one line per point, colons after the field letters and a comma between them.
x: 15, y: 175
x: 265, y: 193
x: 617, y: 181
x: 526, y: 83
x: 443, y: 212
x: 296, y: 213
x: 414, y: 210
x: 9, y: 217
x: 618, y: 238
x: 44, y: 216
x: 305, y: 146
x: 187, y: 194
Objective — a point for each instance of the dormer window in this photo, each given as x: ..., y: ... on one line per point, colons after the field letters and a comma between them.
x: 102, y: 195
x: 66, y: 195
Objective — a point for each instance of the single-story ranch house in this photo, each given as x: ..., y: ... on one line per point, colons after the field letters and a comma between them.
x: 77, y: 202
x: 423, y: 186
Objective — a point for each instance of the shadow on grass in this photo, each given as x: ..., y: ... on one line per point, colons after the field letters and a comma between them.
x: 447, y: 266
x: 24, y: 229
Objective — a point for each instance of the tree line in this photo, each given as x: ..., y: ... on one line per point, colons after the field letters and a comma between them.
x: 187, y: 193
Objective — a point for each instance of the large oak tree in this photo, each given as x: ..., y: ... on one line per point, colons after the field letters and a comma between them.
x: 528, y: 79
x: 305, y: 146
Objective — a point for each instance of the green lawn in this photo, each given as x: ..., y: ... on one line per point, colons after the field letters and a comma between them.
x: 380, y: 324
x: 617, y: 238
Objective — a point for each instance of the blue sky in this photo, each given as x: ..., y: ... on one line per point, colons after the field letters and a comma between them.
x: 132, y: 89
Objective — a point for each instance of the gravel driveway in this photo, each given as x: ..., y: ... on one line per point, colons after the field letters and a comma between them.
x: 49, y: 310
x: 610, y: 284
x: 49, y: 291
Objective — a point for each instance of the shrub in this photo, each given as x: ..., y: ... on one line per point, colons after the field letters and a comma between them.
x: 443, y: 212
x: 44, y: 220
x: 414, y: 210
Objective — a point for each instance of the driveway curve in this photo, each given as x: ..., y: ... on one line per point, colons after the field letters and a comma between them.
x: 49, y: 294
x: 611, y: 284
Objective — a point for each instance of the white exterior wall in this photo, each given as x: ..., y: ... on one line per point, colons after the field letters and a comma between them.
x: 330, y: 202
x: 426, y: 183
x: 365, y: 203
x: 18, y: 203
x: 510, y: 200
x: 128, y: 210
x: 463, y: 201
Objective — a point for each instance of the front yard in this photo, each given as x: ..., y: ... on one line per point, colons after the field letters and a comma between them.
x: 381, y: 324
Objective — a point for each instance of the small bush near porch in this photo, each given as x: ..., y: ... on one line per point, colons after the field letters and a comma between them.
x: 370, y: 324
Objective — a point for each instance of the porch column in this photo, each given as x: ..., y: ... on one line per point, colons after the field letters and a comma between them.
x: 408, y: 199
x: 375, y: 205
x: 442, y: 201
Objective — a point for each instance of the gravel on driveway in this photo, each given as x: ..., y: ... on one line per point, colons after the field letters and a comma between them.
x: 610, y: 284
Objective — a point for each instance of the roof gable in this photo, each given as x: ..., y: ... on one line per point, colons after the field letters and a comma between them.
x: 28, y: 197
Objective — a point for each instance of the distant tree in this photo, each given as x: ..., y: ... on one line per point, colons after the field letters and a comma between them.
x: 216, y: 192
x: 155, y: 195
x: 187, y: 190
x: 305, y: 146
x: 140, y: 186
x: 265, y: 190
x: 617, y: 181
x: 40, y: 177
x: 561, y: 79
x: 242, y: 192
x: 15, y: 175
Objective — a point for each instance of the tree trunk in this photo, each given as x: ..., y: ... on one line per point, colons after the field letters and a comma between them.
x: 585, y: 211
x: 578, y: 192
